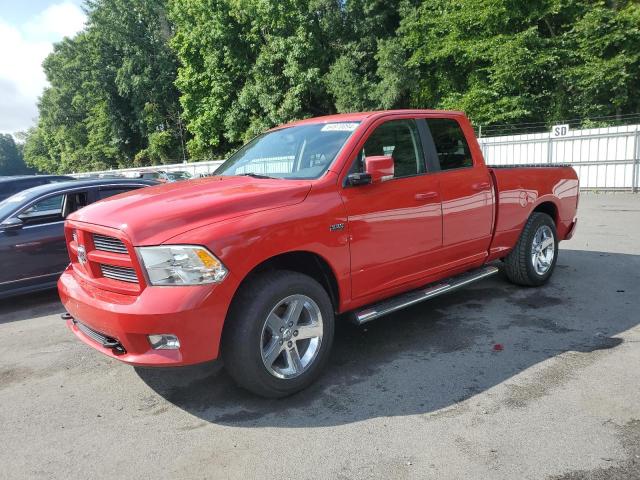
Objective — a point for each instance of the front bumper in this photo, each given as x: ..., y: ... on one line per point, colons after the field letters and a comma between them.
x: 194, y: 313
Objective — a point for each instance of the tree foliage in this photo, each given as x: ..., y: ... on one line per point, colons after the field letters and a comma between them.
x: 232, y: 68
x: 250, y: 64
x: 604, y: 74
x: 112, y: 100
x: 510, y: 61
x: 11, y: 162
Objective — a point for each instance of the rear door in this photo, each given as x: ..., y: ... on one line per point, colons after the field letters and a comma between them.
x: 467, y: 193
x: 396, y: 225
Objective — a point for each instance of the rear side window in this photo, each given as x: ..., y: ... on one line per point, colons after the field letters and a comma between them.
x: 451, y: 145
x: 74, y: 201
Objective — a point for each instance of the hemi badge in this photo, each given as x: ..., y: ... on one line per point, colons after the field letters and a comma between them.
x: 336, y: 226
x: 82, y: 254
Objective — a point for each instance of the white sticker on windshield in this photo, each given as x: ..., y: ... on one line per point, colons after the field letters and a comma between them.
x: 339, y: 127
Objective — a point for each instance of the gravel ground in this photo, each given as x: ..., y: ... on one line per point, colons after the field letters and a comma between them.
x: 419, y: 394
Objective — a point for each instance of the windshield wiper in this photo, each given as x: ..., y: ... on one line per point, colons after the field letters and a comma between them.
x: 254, y: 175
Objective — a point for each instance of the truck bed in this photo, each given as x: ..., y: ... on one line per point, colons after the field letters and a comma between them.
x: 551, y: 188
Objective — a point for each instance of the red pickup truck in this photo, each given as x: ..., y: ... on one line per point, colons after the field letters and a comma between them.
x: 356, y: 215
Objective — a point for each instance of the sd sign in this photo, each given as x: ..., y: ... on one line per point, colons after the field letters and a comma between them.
x: 559, y: 131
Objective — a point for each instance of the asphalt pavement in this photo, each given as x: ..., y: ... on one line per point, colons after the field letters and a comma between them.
x: 491, y: 382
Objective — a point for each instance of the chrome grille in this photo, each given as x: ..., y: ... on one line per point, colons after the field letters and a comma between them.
x: 124, y: 274
x: 108, y: 244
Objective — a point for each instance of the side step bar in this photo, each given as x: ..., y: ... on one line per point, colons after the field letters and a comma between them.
x: 393, y: 304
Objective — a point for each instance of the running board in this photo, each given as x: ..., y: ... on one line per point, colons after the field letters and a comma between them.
x: 425, y: 293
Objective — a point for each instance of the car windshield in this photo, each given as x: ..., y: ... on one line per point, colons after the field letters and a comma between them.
x: 299, y: 152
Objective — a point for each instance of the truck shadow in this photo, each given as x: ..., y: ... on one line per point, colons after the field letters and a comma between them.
x: 437, y: 355
x: 28, y: 306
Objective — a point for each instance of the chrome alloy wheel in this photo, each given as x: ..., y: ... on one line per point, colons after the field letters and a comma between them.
x: 543, y: 250
x: 291, y: 336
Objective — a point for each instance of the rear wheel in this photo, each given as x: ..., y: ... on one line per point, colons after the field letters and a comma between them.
x: 534, y: 257
x: 279, y: 334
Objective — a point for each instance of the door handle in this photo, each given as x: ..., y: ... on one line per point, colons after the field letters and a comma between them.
x: 425, y: 195
x: 481, y: 186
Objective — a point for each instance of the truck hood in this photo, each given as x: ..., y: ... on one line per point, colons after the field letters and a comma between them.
x: 152, y: 215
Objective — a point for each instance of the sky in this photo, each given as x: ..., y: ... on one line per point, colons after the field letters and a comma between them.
x: 28, y: 30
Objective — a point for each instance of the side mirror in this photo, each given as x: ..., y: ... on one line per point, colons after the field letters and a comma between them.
x: 380, y: 168
x: 12, y: 223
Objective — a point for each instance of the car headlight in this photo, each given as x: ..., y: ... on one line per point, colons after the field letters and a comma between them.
x: 181, y: 265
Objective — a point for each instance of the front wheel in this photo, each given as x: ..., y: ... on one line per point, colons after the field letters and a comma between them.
x: 279, y: 333
x: 534, y: 257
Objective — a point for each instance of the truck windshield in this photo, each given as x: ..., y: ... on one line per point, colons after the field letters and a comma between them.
x: 299, y: 152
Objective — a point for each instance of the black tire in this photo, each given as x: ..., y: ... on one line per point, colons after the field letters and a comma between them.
x: 242, y: 338
x: 519, y: 265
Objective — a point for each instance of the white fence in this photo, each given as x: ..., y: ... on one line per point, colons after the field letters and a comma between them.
x: 604, y: 158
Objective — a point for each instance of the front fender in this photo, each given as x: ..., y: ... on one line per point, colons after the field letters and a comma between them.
x: 245, y: 242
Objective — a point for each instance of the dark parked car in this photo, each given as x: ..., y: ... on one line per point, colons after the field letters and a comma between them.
x: 11, y: 185
x: 33, y: 251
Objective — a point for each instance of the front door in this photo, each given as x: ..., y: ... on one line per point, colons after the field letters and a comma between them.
x: 394, y: 226
x: 37, y: 252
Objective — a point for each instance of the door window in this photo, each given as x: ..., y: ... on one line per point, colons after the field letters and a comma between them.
x: 451, y: 144
x: 43, y: 211
x: 400, y: 140
x: 53, y: 209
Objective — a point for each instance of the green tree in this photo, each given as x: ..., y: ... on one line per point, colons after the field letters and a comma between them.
x: 215, y: 60
x: 75, y: 130
x: 230, y: 69
x: 364, y: 51
x: 510, y: 61
x: 494, y: 59
x: 138, y: 70
x: 11, y: 162
x: 112, y: 100
x: 604, y: 76
x: 250, y: 64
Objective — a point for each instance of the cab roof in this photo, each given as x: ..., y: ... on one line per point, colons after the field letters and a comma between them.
x: 361, y: 116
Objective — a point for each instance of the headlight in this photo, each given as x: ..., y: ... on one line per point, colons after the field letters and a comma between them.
x: 181, y: 265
